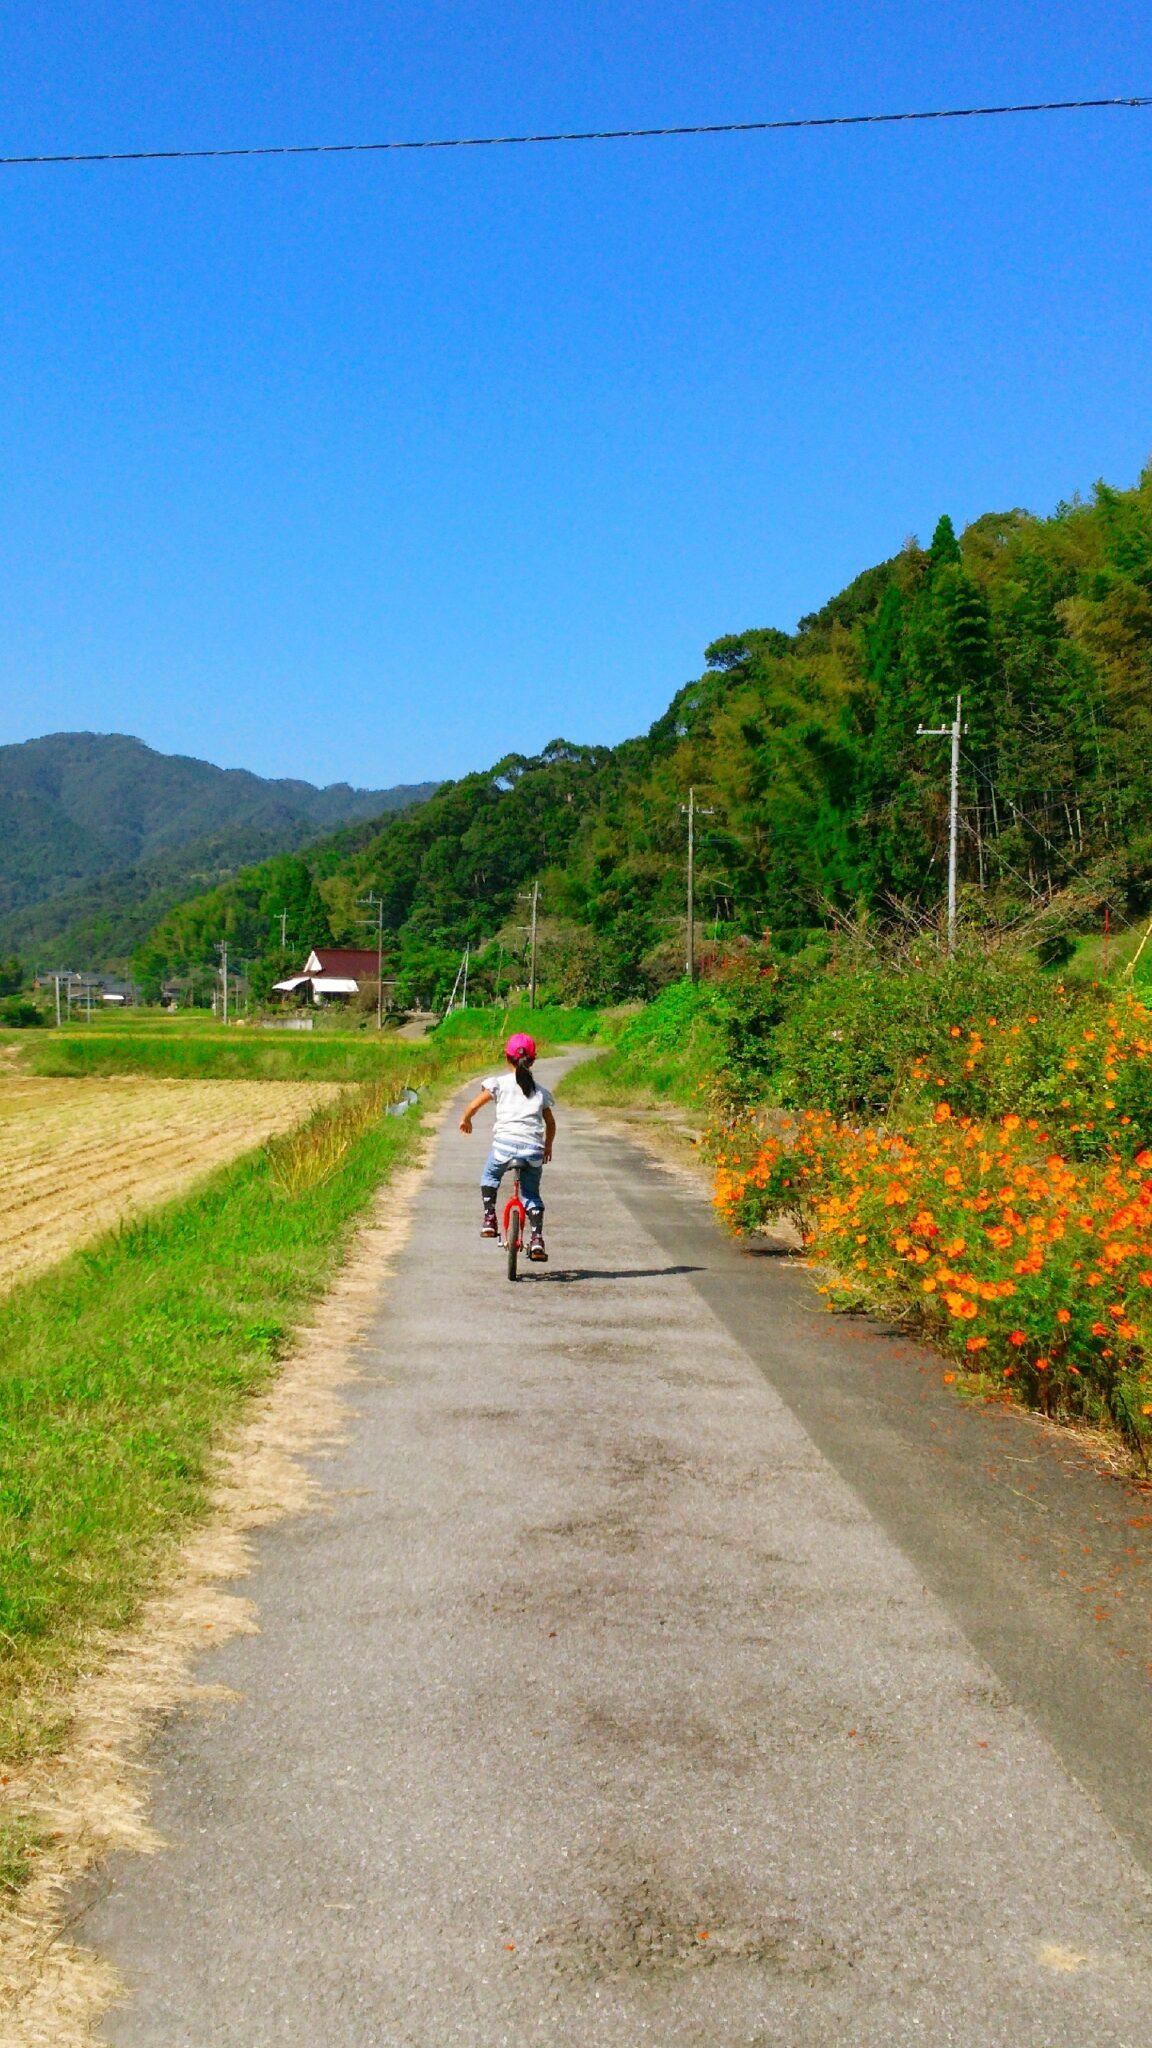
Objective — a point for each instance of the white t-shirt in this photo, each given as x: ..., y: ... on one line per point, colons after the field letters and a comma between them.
x: 519, y: 1132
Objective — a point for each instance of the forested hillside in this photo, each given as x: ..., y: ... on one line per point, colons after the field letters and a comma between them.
x: 823, y: 802
x: 101, y: 835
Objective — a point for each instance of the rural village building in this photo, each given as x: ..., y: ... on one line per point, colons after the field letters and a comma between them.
x: 97, y: 988
x: 331, y: 972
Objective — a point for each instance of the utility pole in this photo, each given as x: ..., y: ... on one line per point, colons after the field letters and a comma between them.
x: 222, y: 949
x: 692, y: 810
x: 534, y: 900
x: 283, y: 916
x: 953, y: 732
x: 56, y: 979
x: 461, y: 976
x: 372, y: 901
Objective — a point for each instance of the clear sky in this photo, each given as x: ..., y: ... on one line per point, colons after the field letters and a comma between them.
x: 374, y: 468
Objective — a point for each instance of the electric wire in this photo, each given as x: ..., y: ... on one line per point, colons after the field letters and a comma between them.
x: 279, y: 149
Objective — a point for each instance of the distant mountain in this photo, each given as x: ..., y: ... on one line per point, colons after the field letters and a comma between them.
x: 100, y: 835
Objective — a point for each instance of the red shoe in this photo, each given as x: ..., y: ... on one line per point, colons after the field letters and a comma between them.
x: 536, y: 1246
x: 489, y: 1227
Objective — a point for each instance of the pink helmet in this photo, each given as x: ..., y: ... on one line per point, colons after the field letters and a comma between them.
x: 520, y: 1047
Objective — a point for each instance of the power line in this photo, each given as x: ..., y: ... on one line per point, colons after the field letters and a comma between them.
x: 152, y: 156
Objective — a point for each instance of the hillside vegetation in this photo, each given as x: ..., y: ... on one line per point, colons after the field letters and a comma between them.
x: 103, y: 834
x: 824, y: 804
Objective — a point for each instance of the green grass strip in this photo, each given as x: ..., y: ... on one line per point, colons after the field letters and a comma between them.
x: 120, y: 1367
x: 236, y: 1056
x: 195, y: 1052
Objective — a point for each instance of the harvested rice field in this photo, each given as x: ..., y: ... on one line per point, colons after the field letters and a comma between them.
x: 80, y: 1156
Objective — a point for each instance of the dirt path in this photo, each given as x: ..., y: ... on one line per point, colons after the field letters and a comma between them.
x: 602, y: 1708
x: 79, y: 1156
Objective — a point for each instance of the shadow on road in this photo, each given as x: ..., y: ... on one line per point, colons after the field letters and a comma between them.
x: 568, y: 1273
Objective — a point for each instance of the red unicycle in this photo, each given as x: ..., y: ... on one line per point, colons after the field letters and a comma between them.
x: 515, y: 1222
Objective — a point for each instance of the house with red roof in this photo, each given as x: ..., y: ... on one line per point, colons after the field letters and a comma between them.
x: 332, y: 973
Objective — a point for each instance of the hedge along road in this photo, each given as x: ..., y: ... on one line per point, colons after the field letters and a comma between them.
x: 673, y: 1665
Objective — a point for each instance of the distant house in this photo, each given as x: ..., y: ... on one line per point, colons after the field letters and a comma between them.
x: 86, y: 989
x: 331, y: 973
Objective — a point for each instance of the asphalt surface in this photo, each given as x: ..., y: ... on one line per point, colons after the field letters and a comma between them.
x: 675, y: 1665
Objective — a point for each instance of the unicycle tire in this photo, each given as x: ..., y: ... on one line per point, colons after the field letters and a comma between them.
x: 514, y: 1226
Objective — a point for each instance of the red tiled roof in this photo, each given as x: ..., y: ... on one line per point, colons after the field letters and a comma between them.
x: 349, y: 964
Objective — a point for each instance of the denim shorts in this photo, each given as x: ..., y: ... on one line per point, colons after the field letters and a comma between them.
x: 530, y: 1171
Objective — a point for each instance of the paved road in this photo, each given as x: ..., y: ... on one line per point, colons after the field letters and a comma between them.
x: 604, y: 1711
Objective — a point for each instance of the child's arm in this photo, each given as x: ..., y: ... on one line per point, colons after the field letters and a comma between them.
x: 466, y: 1120
x: 549, y: 1134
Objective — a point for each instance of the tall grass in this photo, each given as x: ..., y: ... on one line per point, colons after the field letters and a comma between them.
x: 231, y: 1056
x: 313, y: 1151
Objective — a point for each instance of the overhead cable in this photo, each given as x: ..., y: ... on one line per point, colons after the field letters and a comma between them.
x: 151, y: 156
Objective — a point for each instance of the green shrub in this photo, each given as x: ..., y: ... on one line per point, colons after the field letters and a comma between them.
x: 19, y: 1014
x: 552, y: 1025
x: 669, y: 1051
x: 988, y: 1035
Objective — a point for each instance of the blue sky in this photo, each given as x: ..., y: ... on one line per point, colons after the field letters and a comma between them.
x: 374, y: 468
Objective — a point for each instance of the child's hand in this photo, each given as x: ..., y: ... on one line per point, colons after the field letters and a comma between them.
x: 466, y: 1126
x: 547, y: 1151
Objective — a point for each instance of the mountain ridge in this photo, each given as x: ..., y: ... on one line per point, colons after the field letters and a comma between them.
x: 102, y: 834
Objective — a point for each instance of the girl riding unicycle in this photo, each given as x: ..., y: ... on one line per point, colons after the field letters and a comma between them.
x: 524, y: 1130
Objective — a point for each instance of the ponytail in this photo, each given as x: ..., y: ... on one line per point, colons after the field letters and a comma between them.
x: 524, y: 1075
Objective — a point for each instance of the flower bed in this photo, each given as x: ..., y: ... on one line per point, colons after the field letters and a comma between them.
x: 1031, y: 1267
